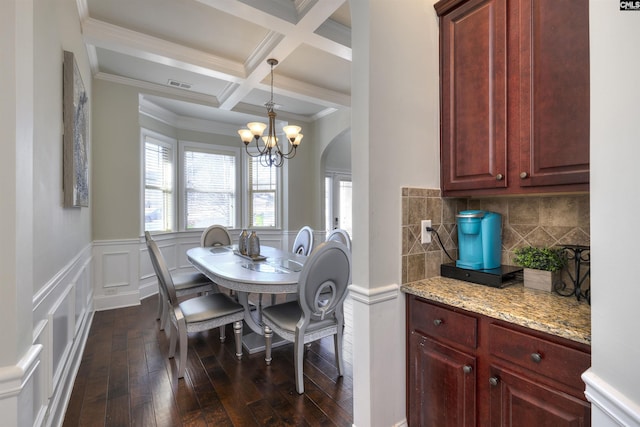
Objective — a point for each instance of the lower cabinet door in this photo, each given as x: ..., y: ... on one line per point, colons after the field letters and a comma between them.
x: 520, y: 401
x: 442, y: 385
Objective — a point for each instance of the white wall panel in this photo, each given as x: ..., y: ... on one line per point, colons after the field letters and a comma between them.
x: 60, y: 328
x: 182, y: 248
x: 62, y: 311
x: 116, y: 273
x: 83, y: 295
x: 41, y: 376
x: 116, y: 269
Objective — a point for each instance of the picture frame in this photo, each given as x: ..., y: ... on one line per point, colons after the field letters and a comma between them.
x: 75, y: 145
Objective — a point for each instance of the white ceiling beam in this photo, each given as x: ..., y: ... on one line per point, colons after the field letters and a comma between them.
x: 143, y: 46
x: 314, y: 17
x: 291, y: 36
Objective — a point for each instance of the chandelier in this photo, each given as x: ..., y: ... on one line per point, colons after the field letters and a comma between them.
x: 269, y: 149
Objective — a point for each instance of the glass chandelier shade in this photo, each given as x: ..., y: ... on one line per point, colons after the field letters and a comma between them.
x: 268, y: 147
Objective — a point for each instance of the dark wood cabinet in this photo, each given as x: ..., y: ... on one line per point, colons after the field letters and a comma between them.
x: 518, y: 400
x: 443, y: 391
x: 514, y: 78
x: 473, y: 84
x: 442, y: 363
x: 466, y: 369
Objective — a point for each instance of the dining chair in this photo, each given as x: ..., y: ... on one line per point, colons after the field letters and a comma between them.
x: 327, y: 271
x: 185, y: 284
x: 196, y: 314
x: 303, y: 243
x: 215, y: 235
x: 340, y: 235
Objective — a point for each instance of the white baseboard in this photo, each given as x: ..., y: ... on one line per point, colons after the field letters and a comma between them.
x: 110, y: 302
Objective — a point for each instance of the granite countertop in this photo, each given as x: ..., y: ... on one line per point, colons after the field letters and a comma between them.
x: 538, y: 310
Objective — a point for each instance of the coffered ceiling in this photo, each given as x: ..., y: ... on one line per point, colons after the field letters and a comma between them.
x: 206, y: 59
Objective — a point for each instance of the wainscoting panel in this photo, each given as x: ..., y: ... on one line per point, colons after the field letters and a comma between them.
x: 61, y: 328
x: 42, y: 375
x: 116, y: 269
x: 83, y: 294
x: 182, y: 247
x: 62, y: 313
x: 116, y: 273
x: 148, y: 282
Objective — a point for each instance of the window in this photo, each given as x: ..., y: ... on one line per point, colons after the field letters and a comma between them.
x: 262, y: 187
x: 158, y: 185
x: 338, y: 201
x: 210, y: 184
x: 209, y: 187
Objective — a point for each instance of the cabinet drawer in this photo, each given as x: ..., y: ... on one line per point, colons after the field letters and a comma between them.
x: 556, y: 361
x: 443, y: 324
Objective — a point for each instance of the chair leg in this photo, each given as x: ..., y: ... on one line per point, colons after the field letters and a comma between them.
x: 268, y: 336
x: 298, y: 357
x: 182, y: 331
x: 337, y: 344
x: 164, y: 317
x: 163, y: 307
x: 237, y: 330
x: 223, y: 334
x: 160, y: 306
x: 172, y: 340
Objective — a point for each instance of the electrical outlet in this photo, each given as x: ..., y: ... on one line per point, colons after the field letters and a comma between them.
x: 426, y: 235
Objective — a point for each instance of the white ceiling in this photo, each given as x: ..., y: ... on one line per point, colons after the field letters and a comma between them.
x: 220, y: 48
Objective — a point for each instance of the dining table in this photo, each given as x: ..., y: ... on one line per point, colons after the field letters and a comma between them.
x: 274, y: 271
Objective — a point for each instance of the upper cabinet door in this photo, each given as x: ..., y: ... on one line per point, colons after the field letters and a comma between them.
x: 514, y: 78
x: 554, y: 92
x: 473, y: 72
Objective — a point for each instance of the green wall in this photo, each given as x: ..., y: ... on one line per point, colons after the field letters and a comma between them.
x: 116, y: 160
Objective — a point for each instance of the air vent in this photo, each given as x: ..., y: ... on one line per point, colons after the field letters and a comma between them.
x: 178, y: 84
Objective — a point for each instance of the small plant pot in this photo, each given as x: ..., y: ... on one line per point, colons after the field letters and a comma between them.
x: 540, y: 279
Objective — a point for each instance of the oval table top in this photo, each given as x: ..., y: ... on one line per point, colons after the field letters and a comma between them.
x: 278, y: 272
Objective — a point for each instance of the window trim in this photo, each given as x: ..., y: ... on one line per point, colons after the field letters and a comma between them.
x: 213, y: 149
x: 173, y: 144
x: 281, y: 193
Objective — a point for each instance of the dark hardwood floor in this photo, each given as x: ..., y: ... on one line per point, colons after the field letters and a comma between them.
x: 126, y: 379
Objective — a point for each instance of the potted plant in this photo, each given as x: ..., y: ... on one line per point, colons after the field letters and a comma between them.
x: 542, y: 266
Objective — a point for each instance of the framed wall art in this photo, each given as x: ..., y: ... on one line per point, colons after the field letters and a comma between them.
x: 75, y: 147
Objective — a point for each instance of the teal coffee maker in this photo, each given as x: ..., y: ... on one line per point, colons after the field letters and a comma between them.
x: 479, y: 240
x: 480, y: 251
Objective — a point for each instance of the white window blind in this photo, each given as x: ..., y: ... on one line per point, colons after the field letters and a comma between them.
x: 263, y: 194
x: 158, y: 189
x: 210, y: 188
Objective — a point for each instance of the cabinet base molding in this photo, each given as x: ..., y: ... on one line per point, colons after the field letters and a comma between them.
x: 609, y: 407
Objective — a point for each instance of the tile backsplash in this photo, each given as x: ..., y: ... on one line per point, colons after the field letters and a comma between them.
x: 530, y: 220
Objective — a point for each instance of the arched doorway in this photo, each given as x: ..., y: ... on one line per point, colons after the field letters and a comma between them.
x: 336, y: 167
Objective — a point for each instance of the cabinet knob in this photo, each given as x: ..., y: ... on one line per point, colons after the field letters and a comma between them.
x: 467, y: 369
x: 524, y: 175
x: 494, y: 381
x: 437, y: 322
x: 536, y: 357
x: 499, y: 177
